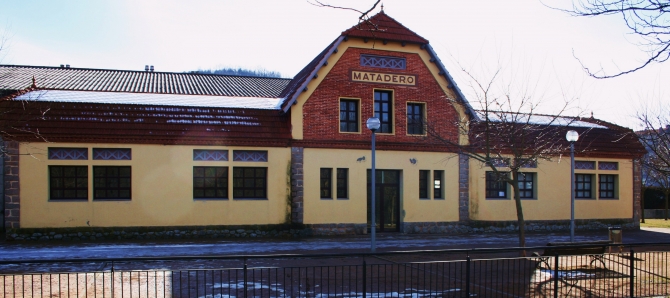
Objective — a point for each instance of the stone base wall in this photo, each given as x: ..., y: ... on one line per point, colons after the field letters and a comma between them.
x: 475, y: 227
x: 292, y: 231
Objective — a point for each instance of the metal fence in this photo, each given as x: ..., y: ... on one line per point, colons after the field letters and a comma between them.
x: 638, y: 270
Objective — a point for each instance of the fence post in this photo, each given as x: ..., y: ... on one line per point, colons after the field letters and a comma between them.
x: 467, y: 276
x: 245, y: 277
x: 632, y: 272
x: 365, y: 279
x: 556, y: 276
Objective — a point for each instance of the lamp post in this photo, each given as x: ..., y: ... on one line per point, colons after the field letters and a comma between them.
x: 572, y: 136
x: 373, y: 124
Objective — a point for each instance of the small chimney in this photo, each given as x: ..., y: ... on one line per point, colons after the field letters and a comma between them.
x: 152, y: 68
x: 146, y: 68
x: 62, y: 66
x: 67, y: 65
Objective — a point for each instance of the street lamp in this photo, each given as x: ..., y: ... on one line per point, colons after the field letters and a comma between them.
x: 373, y: 125
x: 572, y: 137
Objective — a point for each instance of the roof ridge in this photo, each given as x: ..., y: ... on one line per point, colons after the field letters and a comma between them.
x: 133, y: 71
x: 398, y: 33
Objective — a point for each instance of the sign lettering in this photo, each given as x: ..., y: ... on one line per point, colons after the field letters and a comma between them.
x: 384, y: 78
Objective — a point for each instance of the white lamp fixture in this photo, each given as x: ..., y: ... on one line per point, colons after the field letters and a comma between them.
x: 373, y: 124
x: 571, y: 135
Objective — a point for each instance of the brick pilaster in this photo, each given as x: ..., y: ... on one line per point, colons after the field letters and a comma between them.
x: 297, y: 185
x: 11, y: 170
x: 463, y: 187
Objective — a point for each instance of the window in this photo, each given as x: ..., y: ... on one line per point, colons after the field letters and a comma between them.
x: 526, y: 185
x: 210, y: 182
x: 585, y: 165
x: 608, y: 166
x: 68, y: 183
x: 384, y: 110
x: 342, y: 183
x: 423, y: 184
x: 437, y: 184
x: 326, y: 183
x: 111, y: 183
x: 496, y: 188
x: 249, y: 183
x: 415, y: 119
x: 607, y: 186
x: 583, y: 186
x: 68, y: 153
x: 349, y: 115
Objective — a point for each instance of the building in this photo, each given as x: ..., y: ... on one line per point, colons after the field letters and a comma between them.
x: 112, y: 153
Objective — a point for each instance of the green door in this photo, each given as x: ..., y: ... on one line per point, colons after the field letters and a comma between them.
x: 387, y: 202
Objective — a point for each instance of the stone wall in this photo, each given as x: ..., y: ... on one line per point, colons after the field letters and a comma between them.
x: 297, y: 208
x: 11, y: 172
x: 475, y: 227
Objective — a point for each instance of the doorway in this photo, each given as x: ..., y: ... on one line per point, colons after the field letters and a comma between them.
x: 387, y: 203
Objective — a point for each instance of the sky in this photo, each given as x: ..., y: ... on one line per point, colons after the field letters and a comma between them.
x: 533, y: 48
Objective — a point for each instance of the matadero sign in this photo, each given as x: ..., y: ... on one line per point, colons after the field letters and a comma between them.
x: 385, y: 78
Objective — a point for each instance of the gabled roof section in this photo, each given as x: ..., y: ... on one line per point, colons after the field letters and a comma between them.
x: 383, y: 27
x: 18, y: 77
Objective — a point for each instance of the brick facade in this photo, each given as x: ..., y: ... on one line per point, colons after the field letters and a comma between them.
x: 12, y: 199
x: 321, y: 121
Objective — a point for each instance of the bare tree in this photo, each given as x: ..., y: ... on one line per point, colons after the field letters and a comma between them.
x: 510, y: 136
x: 655, y: 136
x: 647, y: 19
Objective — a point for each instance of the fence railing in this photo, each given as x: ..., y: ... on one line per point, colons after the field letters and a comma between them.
x: 639, y: 270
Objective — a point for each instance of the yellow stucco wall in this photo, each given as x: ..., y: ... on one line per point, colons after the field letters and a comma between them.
x: 552, y: 200
x: 297, y: 109
x: 162, y: 190
x: 353, y: 209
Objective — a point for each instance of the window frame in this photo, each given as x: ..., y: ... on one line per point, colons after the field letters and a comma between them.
x: 63, y: 189
x: 390, y: 112
x: 613, y: 183
x: 117, y: 188
x: 422, y: 115
x: 489, y: 189
x: 523, y: 189
x: 342, y: 184
x: 358, y: 114
x: 204, y: 188
x: 583, y: 189
x: 438, y: 192
x: 424, y: 178
x: 255, y: 188
x: 326, y: 183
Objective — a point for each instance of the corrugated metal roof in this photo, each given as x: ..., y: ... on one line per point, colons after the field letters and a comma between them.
x: 210, y: 101
x: 17, y: 77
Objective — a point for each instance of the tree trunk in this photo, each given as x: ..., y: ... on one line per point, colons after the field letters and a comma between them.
x: 519, y: 211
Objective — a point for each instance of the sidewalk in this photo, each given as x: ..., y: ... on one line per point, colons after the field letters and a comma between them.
x: 349, y: 244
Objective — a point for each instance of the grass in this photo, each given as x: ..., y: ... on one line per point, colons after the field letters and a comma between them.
x: 656, y: 223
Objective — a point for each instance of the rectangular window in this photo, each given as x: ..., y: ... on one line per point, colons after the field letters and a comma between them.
x: 68, y: 183
x: 423, y: 184
x: 608, y: 166
x: 210, y: 155
x: 384, y: 110
x: 250, y: 155
x: 496, y: 187
x: 415, y: 119
x: 348, y: 115
x: 111, y: 182
x: 210, y: 183
x: 585, y: 165
x: 112, y: 154
x: 437, y: 184
x: 326, y: 183
x: 526, y: 185
x: 607, y: 186
x: 249, y: 183
x: 583, y: 188
x: 68, y: 153
x: 342, y: 183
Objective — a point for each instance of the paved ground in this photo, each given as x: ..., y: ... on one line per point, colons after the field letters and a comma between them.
x: 385, y: 242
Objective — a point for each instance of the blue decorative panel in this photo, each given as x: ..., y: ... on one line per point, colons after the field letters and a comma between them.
x: 111, y: 153
x: 383, y: 62
x: 608, y: 166
x: 210, y: 155
x: 585, y: 165
x: 68, y: 153
x: 248, y: 155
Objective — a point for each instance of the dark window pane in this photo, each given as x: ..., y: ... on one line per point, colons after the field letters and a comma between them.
x: 112, y: 182
x: 248, y: 182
